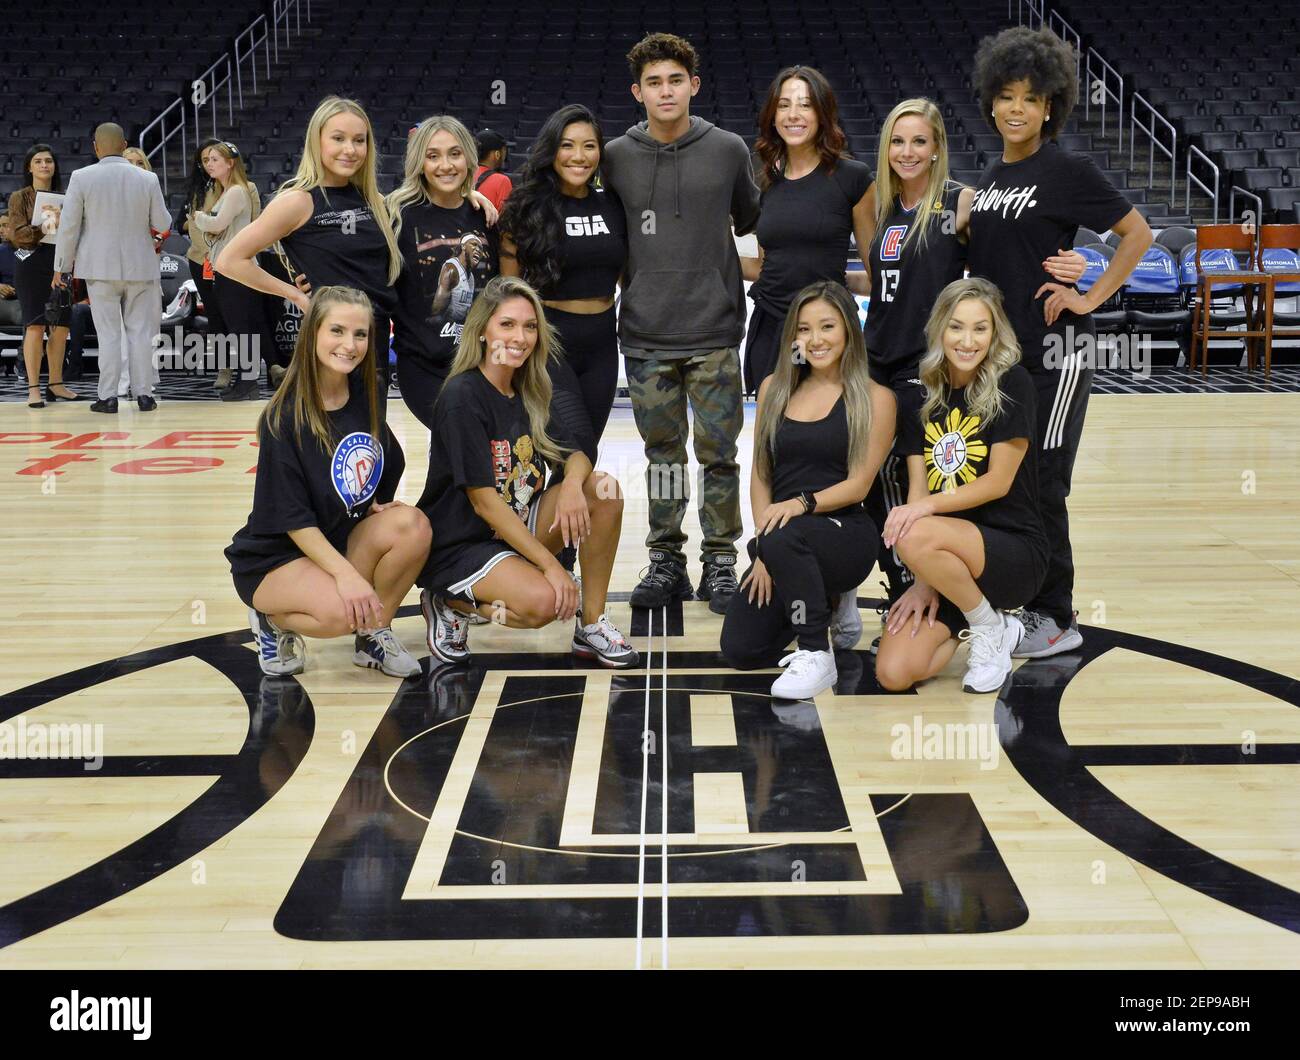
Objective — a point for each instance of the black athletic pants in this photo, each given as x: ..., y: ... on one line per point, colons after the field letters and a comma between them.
x: 243, y: 313
x: 762, y: 337
x: 810, y: 558
x: 420, y: 382
x: 889, y: 490
x: 590, y: 342
x: 1062, y: 404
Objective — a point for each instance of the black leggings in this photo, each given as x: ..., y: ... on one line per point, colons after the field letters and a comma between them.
x: 243, y: 313
x: 761, y: 342
x: 809, y: 558
x: 590, y: 342
x: 420, y: 382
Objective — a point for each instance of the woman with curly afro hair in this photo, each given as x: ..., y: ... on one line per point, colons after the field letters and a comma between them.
x: 1028, y: 206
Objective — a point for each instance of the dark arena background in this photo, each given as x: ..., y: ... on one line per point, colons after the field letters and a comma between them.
x: 1129, y: 806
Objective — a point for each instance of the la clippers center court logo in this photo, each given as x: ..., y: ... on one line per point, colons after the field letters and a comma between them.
x: 357, y: 466
x: 891, y: 243
x: 503, y: 801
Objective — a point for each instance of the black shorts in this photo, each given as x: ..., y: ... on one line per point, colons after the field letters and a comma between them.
x: 246, y: 584
x: 454, y: 573
x: 1014, y: 568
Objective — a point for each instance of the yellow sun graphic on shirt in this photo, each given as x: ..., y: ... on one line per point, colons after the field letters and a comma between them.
x: 953, y: 448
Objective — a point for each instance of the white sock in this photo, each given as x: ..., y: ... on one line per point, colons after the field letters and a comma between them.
x: 983, y: 614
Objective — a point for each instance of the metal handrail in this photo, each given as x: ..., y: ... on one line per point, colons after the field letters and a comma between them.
x: 1057, y: 24
x: 1195, y: 152
x: 1171, y: 150
x: 1106, y: 93
x: 1232, y: 207
x: 249, y: 43
x: 204, y: 93
x: 165, y: 134
x: 1034, y: 9
x: 280, y: 13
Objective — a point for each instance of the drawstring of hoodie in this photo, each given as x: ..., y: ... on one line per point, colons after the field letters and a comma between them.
x: 677, y: 184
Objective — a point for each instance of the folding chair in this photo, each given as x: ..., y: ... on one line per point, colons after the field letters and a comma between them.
x: 1234, y: 239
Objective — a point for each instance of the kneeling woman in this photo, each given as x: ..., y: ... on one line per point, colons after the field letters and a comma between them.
x: 971, y: 532
x: 497, y: 529
x: 822, y: 430
x: 326, y: 550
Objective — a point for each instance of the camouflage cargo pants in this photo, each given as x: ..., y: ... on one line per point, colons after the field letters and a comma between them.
x: 659, y: 392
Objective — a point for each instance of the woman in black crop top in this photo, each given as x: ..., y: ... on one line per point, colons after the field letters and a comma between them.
x: 567, y: 237
x: 822, y: 429
x: 326, y: 550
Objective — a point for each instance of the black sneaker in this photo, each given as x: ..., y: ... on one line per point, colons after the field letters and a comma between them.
x: 665, y: 581
x: 718, y: 583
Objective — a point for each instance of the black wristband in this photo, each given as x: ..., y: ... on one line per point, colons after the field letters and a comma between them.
x: 809, y: 501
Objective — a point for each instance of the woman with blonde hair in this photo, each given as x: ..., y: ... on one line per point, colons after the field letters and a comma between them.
x: 330, y: 222
x: 448, y: 251
x: 138, y: 159
x: 971, y: 531
x: 241, y: 308
x: 821, y: 431
x: 326, y: 550
x: 497, y: 527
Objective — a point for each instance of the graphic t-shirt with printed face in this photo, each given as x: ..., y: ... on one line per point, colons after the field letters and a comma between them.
x: 300, y: 484
x: 480, y: 438
x: 956, y: 445
x: 1025, y: 212
x: 448, y: 256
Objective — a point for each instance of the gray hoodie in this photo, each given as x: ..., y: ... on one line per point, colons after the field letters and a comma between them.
x: 683, y: 285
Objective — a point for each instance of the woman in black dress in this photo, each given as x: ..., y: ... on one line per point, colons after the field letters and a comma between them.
x: 33, y: 275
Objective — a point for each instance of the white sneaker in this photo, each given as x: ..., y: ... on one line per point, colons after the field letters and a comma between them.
x: 381, y: 650
x: 280, y: 652
x: 603, y: 642
x: 846, y: 622
x: 990, y: 654
x: 447, y: 631
x: 806, y: 674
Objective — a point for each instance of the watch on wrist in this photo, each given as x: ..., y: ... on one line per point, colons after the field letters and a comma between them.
x: 809, y: 501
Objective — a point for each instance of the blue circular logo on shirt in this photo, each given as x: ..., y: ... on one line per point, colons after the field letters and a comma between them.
x: 356, y: 469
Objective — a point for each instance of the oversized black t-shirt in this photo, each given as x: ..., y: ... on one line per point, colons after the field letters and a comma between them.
x: 301, y: 484
x: 480, y: 438
x: 1029, y: 210
x: 804, y: 231
x: 906, y: 278
x: 448, y: 256
x: 956, y: 445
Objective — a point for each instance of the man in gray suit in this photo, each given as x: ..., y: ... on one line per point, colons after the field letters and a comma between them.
x: 105, y: 234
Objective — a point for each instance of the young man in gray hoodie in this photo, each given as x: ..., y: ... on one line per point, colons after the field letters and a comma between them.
x: 684, y: 184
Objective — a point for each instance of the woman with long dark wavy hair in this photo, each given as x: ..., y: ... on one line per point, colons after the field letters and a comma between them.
x: 814, y: 196
x: 33, y: 274
x: 566, y: 236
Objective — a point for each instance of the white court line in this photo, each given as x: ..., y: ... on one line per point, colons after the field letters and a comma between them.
x: 645, y: 778
x: 663, y: 820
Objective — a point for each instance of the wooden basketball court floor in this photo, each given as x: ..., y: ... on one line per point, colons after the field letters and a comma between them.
x: 1133, y: 805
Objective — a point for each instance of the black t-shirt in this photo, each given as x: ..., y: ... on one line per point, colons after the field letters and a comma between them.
x: 905, y: 281
x: 480, y: 438
x: 342, y: 244
x: 448, y: 255
x: 804, y: 230
x: 593, y: 249
x: 300, y: 485
x: 956, y: 448
x: 1029, y: 210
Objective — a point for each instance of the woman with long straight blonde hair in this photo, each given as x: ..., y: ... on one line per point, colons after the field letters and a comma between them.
x: 971, y: 531
x: 327, y: 551
x: 822, y: 429
x: 240, y: 308
x: 448, y: 250
x: 497, y: 527
x: 330, y: 222
x: 917, y: 248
